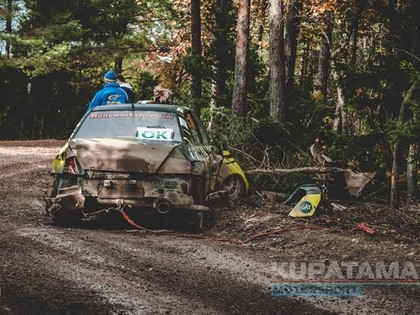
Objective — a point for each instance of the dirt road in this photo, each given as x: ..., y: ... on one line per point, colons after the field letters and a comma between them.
x: 118, y: 270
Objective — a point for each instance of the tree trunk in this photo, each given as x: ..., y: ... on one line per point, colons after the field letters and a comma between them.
x: 340, y: 118
x: 277, y: 62
x: 353, y: 33
x: 222, y: 54
x: 413, y: 152
x: 412, y: 177
x: 321, y: 84
x: 8, y: 15
x: 118, y: 64
x: 395, y: 176
x: 196, y: 55
x: 292, y: 24
x: 304, y: 64
x: 397, y: 147
x: 242, y: 46
x: 262, y: 6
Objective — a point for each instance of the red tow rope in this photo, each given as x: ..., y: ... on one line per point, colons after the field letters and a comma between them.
x: 173, y: 233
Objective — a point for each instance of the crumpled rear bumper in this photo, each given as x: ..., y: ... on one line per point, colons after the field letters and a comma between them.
x: 74, y: 198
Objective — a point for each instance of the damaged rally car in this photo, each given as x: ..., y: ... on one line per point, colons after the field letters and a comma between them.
x: 148, y: 157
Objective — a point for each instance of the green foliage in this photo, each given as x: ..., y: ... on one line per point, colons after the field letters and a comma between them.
x: 61, y: 51
x: 268, y: 132
x: 257, y: 86
x: 225, y: 129
x: 218, y: 115
x: 364, y: 152
x: 42, y: 60
x: 405, y: 132
x: 145, y: 82
x: 410, y: 68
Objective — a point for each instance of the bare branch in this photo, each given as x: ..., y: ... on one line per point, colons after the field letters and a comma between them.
x: 306, y: 170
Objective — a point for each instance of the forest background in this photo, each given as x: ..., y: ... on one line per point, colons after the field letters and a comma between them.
x: 268, y: 77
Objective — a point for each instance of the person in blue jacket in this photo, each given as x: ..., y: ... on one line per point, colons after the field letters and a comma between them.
x: 111, y: 93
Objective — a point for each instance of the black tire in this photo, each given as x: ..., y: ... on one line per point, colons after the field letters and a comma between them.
x: 235, y: 187
x: 66, y: 218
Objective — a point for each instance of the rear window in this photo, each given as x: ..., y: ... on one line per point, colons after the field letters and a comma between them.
x: 142, y: 125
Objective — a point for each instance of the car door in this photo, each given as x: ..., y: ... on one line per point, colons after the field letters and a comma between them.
x: 214, y: 159
x: 195, y: 135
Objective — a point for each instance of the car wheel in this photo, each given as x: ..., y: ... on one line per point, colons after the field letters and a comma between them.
x: 235, y: 187
x: 67, y: 218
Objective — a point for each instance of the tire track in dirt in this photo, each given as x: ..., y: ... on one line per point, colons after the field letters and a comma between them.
x: 16, y: 161
x: 161, y: 274
x: 146, y: 270
x: 29, y: 287
x: 19, y: 169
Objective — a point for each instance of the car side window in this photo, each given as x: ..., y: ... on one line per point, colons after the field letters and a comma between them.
x: 186, y: 132
x: 201, y: 130
x: 195, y: 131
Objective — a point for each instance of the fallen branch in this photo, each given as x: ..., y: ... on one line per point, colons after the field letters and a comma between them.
x: 285, y: 171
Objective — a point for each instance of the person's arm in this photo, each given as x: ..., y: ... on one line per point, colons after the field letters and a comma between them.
x: 95, y: 101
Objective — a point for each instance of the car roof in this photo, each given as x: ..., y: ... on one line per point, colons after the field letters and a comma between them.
x: 140, y: 106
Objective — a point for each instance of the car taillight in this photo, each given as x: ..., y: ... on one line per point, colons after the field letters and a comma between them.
x: 71, y: 166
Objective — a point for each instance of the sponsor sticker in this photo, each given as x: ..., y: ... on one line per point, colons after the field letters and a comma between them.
x: 159, y: 134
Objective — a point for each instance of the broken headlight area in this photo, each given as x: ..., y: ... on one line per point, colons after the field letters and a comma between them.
x: 72, y: 166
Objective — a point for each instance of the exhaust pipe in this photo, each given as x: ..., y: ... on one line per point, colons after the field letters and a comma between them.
x: 162, y: 205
